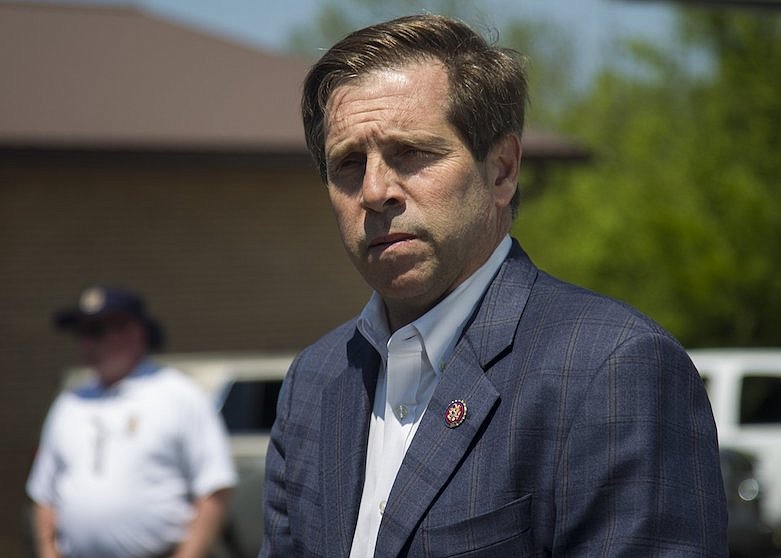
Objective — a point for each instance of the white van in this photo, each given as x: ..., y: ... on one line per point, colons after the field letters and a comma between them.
x: 245, y: 389
x: 744, y: 387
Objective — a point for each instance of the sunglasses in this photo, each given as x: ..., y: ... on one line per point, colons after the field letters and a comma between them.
x: 98, y: 330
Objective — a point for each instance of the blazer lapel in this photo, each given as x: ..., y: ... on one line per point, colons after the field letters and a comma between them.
x: 347, y: 405
x: 437, y: 449
x: 494, y: 327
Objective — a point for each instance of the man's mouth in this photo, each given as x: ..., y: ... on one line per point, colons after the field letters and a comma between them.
x: 386, y: 240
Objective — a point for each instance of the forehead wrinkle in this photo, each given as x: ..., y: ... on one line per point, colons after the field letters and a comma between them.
x: 395, y: 124
x: 392, y: 82
x: 367, y: 104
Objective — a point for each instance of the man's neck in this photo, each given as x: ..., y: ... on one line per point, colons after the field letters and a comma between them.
x: 109, y: 376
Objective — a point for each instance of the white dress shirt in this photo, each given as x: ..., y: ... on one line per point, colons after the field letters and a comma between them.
x: 413, y: 357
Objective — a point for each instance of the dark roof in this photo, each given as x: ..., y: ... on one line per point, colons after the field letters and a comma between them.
x: 107, y: 78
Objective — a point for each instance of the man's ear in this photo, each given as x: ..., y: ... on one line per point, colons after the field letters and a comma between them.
x: 504, y: 163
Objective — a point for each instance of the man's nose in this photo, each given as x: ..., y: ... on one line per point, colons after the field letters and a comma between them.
x: 380, y: 189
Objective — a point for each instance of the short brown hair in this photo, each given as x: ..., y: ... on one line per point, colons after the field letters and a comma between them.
x: 488, y: 89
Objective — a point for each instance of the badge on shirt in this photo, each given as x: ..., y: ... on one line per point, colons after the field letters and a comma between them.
x: 132, y: 425
x: 455, y: 413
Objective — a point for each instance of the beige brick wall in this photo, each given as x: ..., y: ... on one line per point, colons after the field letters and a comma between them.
x: 232, y: 256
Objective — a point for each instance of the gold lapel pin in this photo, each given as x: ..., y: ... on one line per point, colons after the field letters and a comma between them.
x: 455, y: 413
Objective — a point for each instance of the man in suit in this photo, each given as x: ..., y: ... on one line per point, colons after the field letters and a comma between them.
x: 477, y: 406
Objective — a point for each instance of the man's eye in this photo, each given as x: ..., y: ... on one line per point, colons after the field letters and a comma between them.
x: 347, y: 164
x: 413, y: 152
x: 411, y: 159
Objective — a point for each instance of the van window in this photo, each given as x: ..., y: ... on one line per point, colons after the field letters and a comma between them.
x: 251, y: 405
x: 760, y: 400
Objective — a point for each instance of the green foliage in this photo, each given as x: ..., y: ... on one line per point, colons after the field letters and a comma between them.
x: 549, y: 59
x: 337, y: 18
x: 680, y: 214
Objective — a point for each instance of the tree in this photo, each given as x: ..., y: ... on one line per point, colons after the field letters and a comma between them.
x: 549, y: 58
x: 681, y: 213
x: 337, y: 18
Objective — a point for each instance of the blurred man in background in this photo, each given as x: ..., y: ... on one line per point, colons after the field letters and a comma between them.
x: 136, y: 462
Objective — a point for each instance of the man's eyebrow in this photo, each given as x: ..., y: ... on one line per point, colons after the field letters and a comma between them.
x: 432, y: 141
x: 413, y: 139
x: 340, y: 149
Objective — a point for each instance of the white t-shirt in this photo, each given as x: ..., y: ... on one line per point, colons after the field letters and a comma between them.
x: 122, y: 466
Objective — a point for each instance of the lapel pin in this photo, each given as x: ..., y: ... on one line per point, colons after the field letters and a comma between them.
x: 456, y: 413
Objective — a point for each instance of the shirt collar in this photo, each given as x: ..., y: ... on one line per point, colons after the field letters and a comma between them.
x: 439, y: 328
x: 94, y: 390
x: 146, y: 367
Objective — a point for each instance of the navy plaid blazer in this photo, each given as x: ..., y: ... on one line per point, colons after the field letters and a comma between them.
x: 588, y: 433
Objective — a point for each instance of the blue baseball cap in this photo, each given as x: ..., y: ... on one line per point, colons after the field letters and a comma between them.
x: 98, y: 304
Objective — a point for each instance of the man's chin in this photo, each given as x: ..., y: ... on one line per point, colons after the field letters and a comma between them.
x: 409, y: 284
x: 413, y: 292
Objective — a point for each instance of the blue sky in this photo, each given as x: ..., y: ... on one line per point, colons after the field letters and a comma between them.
x: 592, y: 25
x: 267, y: 22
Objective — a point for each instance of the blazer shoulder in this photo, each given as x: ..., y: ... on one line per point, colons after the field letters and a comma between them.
x: 524, y: 304
x: 578, y: 305
x: 551, y: 298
